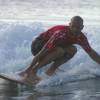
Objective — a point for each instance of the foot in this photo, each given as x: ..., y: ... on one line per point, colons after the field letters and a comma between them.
x: 22, y: 74
x: 50, y: 72
x: 29, y: 77
x: 32, y: 79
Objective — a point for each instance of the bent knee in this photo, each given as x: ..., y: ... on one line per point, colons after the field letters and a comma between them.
x: 60, y: 51
x: 71, y: 50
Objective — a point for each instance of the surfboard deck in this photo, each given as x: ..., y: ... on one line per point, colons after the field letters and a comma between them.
x: 16, y: 78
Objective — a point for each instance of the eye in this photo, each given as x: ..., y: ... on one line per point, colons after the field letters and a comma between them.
x: 76, y: 26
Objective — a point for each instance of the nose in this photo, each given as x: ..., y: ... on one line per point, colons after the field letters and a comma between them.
x: 75, y: 29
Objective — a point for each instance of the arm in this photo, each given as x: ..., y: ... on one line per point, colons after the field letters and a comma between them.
x: 91, y: 52
x: 95, y: 56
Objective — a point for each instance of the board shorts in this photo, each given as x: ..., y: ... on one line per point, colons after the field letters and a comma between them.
x: 37, y: 45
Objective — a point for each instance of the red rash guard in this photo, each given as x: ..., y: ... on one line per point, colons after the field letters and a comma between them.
x: 61, y: 36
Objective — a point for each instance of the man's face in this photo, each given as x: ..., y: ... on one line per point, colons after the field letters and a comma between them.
x: 76, y: 26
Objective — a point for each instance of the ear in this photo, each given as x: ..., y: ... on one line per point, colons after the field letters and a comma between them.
x: 82, y: 26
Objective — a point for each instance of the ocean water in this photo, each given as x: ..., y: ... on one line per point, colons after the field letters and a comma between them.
x: 21, y: 21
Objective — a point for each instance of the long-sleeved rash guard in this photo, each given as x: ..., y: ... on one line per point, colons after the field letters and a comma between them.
x: 61, y: 36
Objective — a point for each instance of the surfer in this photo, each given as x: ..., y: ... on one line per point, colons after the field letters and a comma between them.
x: 56, y: 45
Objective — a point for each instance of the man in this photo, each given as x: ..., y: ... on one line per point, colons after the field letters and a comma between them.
x: 57, y: 45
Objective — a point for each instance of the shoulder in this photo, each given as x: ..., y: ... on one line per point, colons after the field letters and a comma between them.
x: 57, y: 27
x: 53, y: 29
x: 83, y: 36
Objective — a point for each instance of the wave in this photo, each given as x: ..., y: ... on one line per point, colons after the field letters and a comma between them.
x: 15, y: 53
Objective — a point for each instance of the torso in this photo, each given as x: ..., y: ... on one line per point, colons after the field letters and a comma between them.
x: 62, y: 36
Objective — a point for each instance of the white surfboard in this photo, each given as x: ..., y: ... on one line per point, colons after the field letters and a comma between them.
x: 16, y: 78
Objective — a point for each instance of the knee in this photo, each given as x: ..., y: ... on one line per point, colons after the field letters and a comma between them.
x: 72, y: 50
x: 59, y: 51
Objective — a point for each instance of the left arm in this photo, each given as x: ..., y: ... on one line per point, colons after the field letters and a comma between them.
x: 95, y: 56
x: 91, y: 52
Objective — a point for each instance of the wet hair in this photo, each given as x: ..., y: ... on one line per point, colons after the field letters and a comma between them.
x: 77, y: 18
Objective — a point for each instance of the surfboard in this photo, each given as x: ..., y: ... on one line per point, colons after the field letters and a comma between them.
x: 16, y: 78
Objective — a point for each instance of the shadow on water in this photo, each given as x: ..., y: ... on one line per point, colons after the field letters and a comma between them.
x: 80, y: 90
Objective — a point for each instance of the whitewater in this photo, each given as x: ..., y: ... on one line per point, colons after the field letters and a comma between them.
x: 15, y: 53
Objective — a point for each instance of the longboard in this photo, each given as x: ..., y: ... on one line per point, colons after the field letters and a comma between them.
x: 16, y: 78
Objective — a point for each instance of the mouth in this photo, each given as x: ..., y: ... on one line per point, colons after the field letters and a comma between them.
x: 75, y: 31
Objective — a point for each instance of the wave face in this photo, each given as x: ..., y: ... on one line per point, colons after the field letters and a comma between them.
x: 15, y: 52
x: 15, y: 41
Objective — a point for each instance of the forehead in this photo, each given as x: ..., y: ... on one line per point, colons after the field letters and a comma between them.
x: 76, y: 21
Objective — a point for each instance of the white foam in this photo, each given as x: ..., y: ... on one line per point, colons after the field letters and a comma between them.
x: 15, y: 41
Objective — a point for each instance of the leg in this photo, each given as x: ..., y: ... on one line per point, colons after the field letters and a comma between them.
x: 57, y: 53
x: 35, y: 60
x: 71, y: 51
